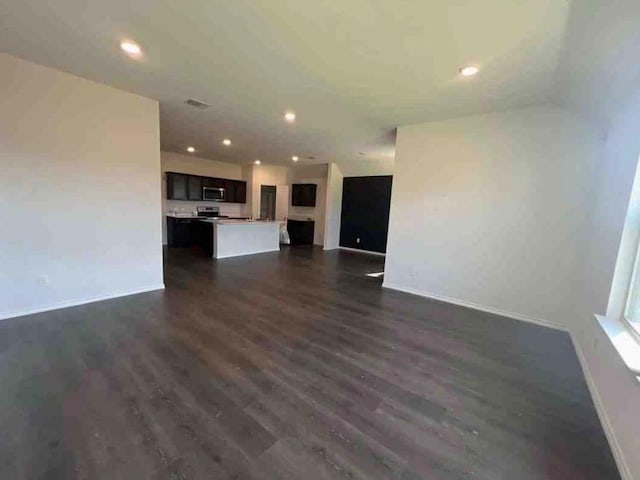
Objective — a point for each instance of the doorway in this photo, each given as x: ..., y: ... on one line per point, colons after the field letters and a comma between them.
x: 267, y: 202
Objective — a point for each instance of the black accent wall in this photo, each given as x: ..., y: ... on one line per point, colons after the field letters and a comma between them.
x: 365, y: 212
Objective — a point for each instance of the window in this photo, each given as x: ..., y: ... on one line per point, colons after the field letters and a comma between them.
x: 622, y: 321
x: 632, y: 310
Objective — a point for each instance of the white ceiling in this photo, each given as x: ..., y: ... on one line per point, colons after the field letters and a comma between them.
x: 352, y: 70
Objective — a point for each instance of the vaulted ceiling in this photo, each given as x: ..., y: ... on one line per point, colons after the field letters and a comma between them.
x: 352, y: 70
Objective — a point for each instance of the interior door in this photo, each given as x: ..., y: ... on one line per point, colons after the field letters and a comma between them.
x: 268, y: 202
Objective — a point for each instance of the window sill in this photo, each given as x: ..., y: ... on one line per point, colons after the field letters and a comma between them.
x: 625, y: 342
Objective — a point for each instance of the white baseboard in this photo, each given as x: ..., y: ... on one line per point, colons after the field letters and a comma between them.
x: 82, y: 301
x: 602, y: 414
x: 476, y: 306
x: 368, y: 252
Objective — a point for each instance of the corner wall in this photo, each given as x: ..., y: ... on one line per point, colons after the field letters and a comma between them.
x: 333, y: 211
x: 489, y: 210
x: 610, y: 251
x: 79, y: 189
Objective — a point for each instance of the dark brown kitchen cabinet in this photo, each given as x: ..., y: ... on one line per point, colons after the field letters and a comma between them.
x: 182, y: 186
x: 177, y: 186
x: 303, y: 195
x: 213, y: 182
x: 230, y: 191
x: 301, y: 231
x: 180, y: 232
x: 194, y: 191
x: 241, y: 192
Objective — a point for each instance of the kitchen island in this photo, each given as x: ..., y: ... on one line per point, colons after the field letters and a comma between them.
x: 233, y: 238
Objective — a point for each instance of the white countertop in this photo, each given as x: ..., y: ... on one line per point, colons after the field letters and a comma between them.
x: 219, y: 221
x: 183, y: 215
x: 189, y: 216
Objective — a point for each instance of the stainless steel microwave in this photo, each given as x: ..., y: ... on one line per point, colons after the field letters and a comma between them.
x: 213, y: 194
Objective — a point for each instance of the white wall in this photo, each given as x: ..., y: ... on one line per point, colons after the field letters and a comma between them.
x: 316, y: 174
x: 274, y: 175
x: 333, y: 210
x: 79, y: 189
x: 247, y: 175
x: 490, y: 210
x: 613, y: 231
x: 175, y: 162
x: 282, y: 202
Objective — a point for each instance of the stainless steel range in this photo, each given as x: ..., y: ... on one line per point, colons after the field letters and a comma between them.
x: 210, y: 212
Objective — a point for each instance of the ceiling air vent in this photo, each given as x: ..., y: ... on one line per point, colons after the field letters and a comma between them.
x: 197, y: 103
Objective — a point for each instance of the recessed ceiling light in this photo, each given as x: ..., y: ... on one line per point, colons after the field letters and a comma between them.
x: 257, y: 162
x: 295, y: 158
x: 469, y: 71
x: 290, y: 117
x: 131, y: 48
x: 226, y: 142
x: 191, y: 149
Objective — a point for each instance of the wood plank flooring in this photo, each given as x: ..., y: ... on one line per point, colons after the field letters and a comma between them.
x: 292, y: 365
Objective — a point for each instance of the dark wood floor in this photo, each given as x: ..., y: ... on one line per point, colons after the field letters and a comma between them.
x: 290, y: 366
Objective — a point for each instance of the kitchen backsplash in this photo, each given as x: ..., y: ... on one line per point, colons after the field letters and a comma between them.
x: 229, y: 209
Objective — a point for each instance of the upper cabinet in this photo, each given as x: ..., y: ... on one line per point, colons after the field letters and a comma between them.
x: 176, y: 186
x: 194, y: 184
x: 182, y: 186
x: 230, y: 191
x: 303, y: 195
x: 241, y: 192
x: 213, y: 182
